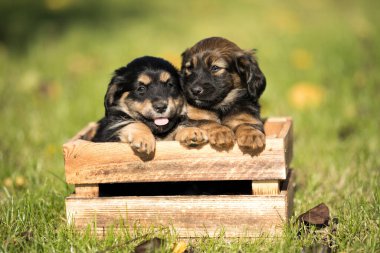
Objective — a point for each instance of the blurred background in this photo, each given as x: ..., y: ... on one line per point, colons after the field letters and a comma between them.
x: 321, y: 60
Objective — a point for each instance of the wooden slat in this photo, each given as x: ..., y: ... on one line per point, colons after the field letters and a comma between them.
x: 92, y: 163
x: 289, y: 185
x: 190, y: 216
x: 87, y: 190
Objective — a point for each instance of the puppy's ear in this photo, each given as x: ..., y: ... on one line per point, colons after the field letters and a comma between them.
x: 113, y: 88
x: 251, y: 74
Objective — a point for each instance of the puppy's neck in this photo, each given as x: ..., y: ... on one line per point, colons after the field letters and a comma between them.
x: 195, y: 113
x: 226, y: 104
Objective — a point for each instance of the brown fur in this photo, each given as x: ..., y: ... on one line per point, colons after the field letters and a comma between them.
x: 221, y: 79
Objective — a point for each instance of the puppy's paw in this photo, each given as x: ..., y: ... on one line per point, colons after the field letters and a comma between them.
x: 221, y: 137
x: 250, y: 140
x: 191, y: 136
x: 142, y: 143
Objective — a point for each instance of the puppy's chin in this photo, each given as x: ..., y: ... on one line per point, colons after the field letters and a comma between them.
x: 204, y: 104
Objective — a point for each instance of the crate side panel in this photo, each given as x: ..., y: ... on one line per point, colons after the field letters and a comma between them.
x: 91, y: 163
x: 190, y: 216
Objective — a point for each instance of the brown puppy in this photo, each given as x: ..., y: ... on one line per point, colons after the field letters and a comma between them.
x: 222, y: 85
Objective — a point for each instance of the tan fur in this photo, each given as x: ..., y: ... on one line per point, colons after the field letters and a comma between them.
x: 164, y: 76
x: 177, y: 103
x: 218, y: 135
x: 190, y: 136
x: 236, y: 80
x: 229, y: 99
x: 111, y: 93
x: 144, y: 79
x: 200, y: 114
x: 221, y: 63
x: 139, y: 136
x: 250, y: 139
x: 233, y: 121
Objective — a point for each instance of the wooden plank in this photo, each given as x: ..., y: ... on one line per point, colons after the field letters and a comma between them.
x: 266, y: 187
x: 286, y: 134
x: 92, y: 163
x: 87, y: 190
x: 289, y: 185
x: 190, y: 216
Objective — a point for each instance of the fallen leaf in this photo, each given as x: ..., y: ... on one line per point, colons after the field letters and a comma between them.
x: 319, y: 218
x: 318, y: 215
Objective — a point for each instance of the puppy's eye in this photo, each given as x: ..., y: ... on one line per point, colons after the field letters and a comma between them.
x: 215, y: 68
x: 141, y: 89
x: 170, y: 84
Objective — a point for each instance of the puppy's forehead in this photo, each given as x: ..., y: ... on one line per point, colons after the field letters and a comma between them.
x: 144, y: 78
x: 149, y: 77
x: 208, y: 58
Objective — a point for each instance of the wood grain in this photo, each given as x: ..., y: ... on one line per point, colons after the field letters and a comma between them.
x: 87, y: 162
x: 87, y: 190
x: 190, y: 216
x: 266, y: 187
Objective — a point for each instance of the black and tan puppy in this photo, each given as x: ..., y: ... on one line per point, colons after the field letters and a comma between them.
x: 222, y: 85
x: 143, y: 103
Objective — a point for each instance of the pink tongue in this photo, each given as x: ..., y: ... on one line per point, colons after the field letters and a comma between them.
x: 161, y: 121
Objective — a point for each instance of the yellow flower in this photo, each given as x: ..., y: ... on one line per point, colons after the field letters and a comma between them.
x: 8, y: 182
x: 20, y: 181
x: 305, y: 95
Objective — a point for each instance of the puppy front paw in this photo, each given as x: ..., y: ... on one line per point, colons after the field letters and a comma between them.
x: 139, y: 137
x: 191, y: 136
x: 142, y: 143
x: 221, y: 137
x: 250, y: 140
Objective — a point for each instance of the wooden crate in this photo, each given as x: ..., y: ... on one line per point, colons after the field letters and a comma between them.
x: 92, y: 167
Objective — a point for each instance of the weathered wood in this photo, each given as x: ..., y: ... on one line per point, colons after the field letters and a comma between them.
x: 266, y: 187
x: 87, y: 190
x: 191, y: 216
x: 290, y: 185
x: 92, y: 163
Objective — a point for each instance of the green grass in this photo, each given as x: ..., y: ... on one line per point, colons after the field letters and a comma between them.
x: 56, y: 61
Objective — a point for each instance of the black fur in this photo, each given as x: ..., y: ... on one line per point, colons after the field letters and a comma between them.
x: 124, y: 82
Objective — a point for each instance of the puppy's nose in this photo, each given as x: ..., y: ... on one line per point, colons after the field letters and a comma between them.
x: 160, y: 106
x: 196, y: 90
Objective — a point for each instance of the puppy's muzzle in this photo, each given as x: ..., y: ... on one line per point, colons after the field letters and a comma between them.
x: 160, y: 106
x: 196, y: 90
